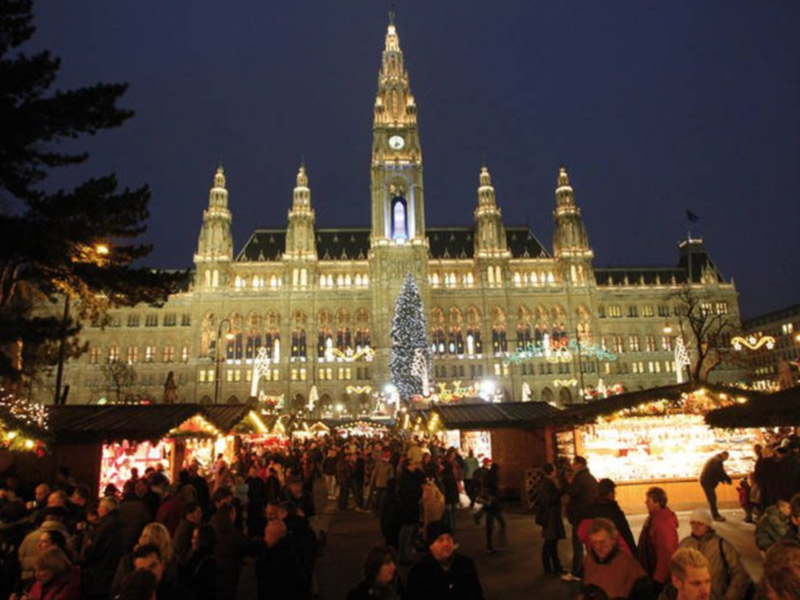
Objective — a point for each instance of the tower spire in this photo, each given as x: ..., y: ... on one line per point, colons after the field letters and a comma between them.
x: 490, y: 234
x: 300, y: 241
x: 215, y: 243
x: 570, y: 240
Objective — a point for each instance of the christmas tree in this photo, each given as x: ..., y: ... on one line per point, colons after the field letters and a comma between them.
x: 410, y: 359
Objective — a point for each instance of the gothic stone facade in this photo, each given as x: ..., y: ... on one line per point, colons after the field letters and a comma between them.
x: 315, y: 298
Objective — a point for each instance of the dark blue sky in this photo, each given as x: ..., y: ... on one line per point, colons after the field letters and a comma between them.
x: 654, y: 107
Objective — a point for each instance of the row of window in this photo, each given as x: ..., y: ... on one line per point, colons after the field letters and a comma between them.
x: 149, y: 354
x: 295, y: 374
x: 151, y: 319
x: 300, y: 278
x: 615, y: 311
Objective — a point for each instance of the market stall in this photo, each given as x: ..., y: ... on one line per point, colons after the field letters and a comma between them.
x: 778, y: 410
x: 101, y: 445
x: 658, y: 437
x: 516, y: 435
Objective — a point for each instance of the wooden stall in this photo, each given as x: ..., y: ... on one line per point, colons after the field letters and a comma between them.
x: 101, y: 444
x: 659, y: 437
x: 516, y: 435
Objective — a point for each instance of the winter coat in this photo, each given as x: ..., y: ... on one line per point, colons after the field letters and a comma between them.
x: 726, y: 584
x: 658, y: 542
x: 427, y: 580
x: 470, y: 466
x: 27, y: 552
x: 582, y: 490
x: 182, y: 540
x: 381, y: 474
x: 432, y: 503
x: 410, y: 494
x: 102, y: 555
x: 771, y: 527
x: 170, y: 512
x: 607, y: 509
x: 713, y: 472
x: 618, y: 574
x: 134, y: 514
x: 200, y: 575
x: 370, y: 590
x: 232, y: 546
x: 449, y: 485
x: 549, y: 513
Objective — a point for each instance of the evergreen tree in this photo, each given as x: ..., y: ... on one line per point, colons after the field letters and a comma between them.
x: 50, y: 240
x: 409, y: 340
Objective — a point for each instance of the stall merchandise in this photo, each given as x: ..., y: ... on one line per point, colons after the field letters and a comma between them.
x: 663, y: 447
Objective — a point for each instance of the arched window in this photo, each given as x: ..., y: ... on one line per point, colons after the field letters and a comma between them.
x: 523, y: 328
x: 399, y: 219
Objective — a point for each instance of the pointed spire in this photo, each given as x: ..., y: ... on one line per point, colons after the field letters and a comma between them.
x: 302, y: 194
x: 563, y: 178
x: 485, y: 178
x: 394, y: 102
x: 219, y: 178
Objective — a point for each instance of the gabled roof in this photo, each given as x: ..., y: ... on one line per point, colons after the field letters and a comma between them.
x: 505, y: 415
x: 639, y: 275
x: 781, y: 409
x: 263, y: 245
x: 134, y: 422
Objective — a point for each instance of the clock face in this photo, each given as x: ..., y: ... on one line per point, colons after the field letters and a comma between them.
x: 396, y: 142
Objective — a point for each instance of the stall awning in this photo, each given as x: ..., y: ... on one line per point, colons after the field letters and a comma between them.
x: 524, y: 415
x: 781, y: 409
x: 641, y: 401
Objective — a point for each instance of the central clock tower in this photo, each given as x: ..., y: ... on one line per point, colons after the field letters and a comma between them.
x: 398, y: 244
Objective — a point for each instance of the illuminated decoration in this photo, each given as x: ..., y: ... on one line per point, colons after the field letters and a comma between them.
x: 20, y: 423
x: 753, y: 342
x: 419, y: 367
x: 681, y: 358
x: 362, y: 428
x: 603, y: 391
x: 556, y: 352
x: 313, y: 398
x: 271, y: 402
x: 193, y: 426
x: 442, y: 394
x: 260, y: 368
x: 260, y: 426
x: 117, y: 460
x: 349, y: 355
x: 565, y: 382
x: 356, y: 389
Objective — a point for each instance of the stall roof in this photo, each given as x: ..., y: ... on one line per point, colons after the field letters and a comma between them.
x: 781, y: 409
x: 588, y: 413
x: 495, y: 416
x: 226, y: 416
x: 134, y: 422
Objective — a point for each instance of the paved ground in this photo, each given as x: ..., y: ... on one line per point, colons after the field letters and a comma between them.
x: 513, y: 573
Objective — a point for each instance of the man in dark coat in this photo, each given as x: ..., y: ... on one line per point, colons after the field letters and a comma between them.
x: 232, y: 546
x: 712, y: 475
x: 104, y: 550
x: 133, y: 512
x: 409, y: 495
x: 605, y: 507
x: 582, y: 490
x: 279, y: 570
x: 148, y: 557
x: 443, y: 573
x: 182, y: 540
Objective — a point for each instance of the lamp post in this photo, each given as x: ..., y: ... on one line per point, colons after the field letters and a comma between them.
x: 228, y: 336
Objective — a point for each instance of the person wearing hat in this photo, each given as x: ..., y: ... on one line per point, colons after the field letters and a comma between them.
x: 443, y: 572
x: 27, y: 554
x: 729, y: 579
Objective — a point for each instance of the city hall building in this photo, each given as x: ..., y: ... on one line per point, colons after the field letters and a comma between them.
x: 316, y: 304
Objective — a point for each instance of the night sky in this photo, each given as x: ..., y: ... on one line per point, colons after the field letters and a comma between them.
x: 653, y: 107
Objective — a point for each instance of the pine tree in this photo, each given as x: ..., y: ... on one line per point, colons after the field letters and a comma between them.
x: 409, y: 339
x: 49, y: 239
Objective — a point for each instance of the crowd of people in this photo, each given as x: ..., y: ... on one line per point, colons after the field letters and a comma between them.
x: 249, y: 529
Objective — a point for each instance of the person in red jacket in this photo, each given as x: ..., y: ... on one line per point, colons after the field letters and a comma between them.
x: 56, y: 578
x: 659, y: 538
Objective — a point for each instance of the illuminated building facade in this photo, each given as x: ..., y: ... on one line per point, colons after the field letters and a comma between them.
x: 540, y: 324
x: 771, y: 343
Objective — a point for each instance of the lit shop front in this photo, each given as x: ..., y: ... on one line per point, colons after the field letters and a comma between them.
x: 663, y: 442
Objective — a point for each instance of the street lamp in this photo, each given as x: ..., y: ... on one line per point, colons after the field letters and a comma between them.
x: 228, y: 336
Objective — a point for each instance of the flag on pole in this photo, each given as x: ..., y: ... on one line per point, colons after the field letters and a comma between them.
x: 693, y: 218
